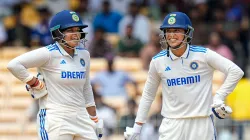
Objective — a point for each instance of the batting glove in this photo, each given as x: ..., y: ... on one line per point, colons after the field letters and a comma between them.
x: 39, y: 89
x: 99, y: 126
x: 219, y: 109
x: 133, y: 133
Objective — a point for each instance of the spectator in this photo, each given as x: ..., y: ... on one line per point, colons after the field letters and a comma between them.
x: 87, y: 17
x: 198, y: 24
x: 41, y: 35
x: 20, y: 34
x: 99, y: 46
x: 112, y: 82
x: 140, y: 23
x: 231, y: 32
x: 234, y: 10
x: 56, y: 6
x: 150, y: 50
x: 128, y: 119
x: 216, y: 45
x: 106, y: 113
x: 107, y: 19
x: 151, y: 128
x: 120, y: 6
x: 129, y: 46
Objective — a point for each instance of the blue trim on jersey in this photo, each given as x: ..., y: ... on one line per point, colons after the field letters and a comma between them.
x: 52, y: 47
x: 162, y: 53
x: 212, y: 118
x: 197, y: 49
x: 43, y: 132
x: 59, y: 50
x: 171, y: 57
x: 80, y: 48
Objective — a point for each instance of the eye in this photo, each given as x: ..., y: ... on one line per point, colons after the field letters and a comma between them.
x: 69, y: 31
x: 168, y: 31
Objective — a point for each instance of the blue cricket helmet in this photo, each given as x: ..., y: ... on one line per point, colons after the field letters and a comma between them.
x: 63, y: 20
x: 176, y: 20
x: 66, y: 19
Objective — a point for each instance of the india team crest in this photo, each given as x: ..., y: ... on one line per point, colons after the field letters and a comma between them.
x: 75, y: 17
x: 194, y: 65
x: 171, y: 20
x: 82, y: 62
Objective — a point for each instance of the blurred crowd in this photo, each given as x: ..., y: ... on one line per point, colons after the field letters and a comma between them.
x: 129, y: 28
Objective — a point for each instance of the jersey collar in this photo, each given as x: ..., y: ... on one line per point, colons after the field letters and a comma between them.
x: 185, y: 54
x: 63, y: 52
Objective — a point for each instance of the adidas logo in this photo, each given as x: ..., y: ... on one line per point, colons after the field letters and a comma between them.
x: 167, y: 68
x: 63, y: 62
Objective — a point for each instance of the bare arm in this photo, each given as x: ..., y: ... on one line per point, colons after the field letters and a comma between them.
x: 91, y: 110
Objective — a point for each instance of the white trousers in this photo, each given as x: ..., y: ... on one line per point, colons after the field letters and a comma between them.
x: 188, y: 129
x: 65, y: 125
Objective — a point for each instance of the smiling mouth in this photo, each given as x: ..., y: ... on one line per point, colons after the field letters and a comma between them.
x: 172, y: 40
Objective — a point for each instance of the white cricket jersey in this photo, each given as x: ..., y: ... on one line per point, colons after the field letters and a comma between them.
x: 66, y: 77
x: 186, y: 82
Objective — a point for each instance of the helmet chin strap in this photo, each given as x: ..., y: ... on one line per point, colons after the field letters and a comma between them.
x: 177, y: 46
x: 69, y: 47
x: 65, y: 43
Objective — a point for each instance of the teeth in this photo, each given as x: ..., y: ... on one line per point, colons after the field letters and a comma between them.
x: 173, y: 40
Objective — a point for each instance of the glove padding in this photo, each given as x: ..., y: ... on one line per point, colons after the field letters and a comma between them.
x: 99, y: 128
x: 133, y: 133
x: 219, y: 109
x: 222, y: 111
x: 38, y: 91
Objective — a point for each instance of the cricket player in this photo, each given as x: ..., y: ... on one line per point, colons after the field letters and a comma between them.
x: 185, y: 72
x: 66, y: 102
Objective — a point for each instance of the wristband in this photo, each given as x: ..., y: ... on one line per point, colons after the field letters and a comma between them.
x: 94, y: 118
x: 35, y: 84
x: 137, y: 128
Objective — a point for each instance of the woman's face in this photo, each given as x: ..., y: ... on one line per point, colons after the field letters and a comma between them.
x: 72, y: 36
x: 175, y: 36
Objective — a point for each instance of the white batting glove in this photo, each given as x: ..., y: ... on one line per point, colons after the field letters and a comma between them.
x: 99, y: 126
x: 99, y: 129
x: 39, y: 90
x: 133, y: 133
x: 219, y: 109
